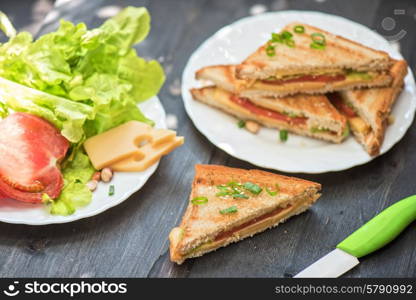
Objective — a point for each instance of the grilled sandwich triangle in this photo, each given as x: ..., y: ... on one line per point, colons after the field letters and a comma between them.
x: 214, y: 219
x: 368, y: 110
x: 312, y: 61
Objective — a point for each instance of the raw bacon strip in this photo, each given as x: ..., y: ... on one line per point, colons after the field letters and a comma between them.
x: 30, y: 149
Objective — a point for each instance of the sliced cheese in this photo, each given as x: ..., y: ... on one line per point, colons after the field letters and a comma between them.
x: 321, y: 71
x: 359, y: 125
x: 132, y: 141
x: 150, y: 154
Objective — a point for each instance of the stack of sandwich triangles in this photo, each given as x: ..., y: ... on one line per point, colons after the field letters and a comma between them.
x: 310, y: 82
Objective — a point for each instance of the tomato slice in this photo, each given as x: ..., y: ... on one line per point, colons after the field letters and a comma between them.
x: 340, y: 104
x: 247, y: 104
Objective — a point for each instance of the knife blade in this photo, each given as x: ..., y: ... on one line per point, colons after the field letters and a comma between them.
x: 373, y: 235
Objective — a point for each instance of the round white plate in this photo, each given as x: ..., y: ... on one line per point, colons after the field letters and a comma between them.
x: 125, y: 185
x: 235, y: 42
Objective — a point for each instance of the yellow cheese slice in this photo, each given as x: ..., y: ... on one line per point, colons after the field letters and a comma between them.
x: 131, y: 140
x: 359, y: 125
x: 150, y: 154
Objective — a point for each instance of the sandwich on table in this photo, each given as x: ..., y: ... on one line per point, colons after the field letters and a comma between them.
x: 228, y: 204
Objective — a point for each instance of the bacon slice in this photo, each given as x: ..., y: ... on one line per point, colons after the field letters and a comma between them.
x: 30, y: 149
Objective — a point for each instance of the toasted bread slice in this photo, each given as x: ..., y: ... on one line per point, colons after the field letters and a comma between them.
x: 224, y: 76
x: 312, y: 116
x: 211, y: 224
x: 338, y: 57
x: 371, y: 109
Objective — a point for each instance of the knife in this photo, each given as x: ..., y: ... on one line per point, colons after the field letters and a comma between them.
x: 373, y: 235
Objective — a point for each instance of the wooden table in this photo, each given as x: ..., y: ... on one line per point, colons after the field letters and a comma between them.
x: 130, y: 240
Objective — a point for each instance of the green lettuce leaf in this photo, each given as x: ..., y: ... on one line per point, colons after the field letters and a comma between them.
x: 96, y: 75
x: 75, y: 194
x: 6, y: 26
x: 66, y: 115
x: 4, y: 111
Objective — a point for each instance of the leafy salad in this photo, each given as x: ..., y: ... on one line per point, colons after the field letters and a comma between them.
x: 83, y: 81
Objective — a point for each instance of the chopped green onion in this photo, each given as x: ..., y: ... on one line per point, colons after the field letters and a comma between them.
x: 283, y: 38
x: 111, y: 190
x: 273, y: 193
x: 317, y: 46
x: 290, y: 43
x: 199, y: 200
x: 232, y: 189
x: 276, y: 38
x: 238, y: 195
x: 286, y: 35
x: 284, y: 135
x: 318, y: 38
x: 270, y: 51
x: 318, y: 130
x: 252, y: 187
x: 230, y: 210
x: 241, y: 124
x: 223, y: 194
x: 233, y: 184
x: 299, y: 29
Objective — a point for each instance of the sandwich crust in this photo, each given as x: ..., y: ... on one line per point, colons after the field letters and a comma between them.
x: 202, y: 224
x: 339, y: 54
x: 374, y: 107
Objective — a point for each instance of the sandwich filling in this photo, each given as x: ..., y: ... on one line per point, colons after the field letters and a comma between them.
x: 325, y: 77
x: 226, y: 234
x: 252, y: 226
x: 357, y: 123
x: 248, y: 228
x: 287, y: 117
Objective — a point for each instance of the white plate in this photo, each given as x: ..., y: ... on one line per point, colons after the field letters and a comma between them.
x: 235, y: 42
x: 125, y: 185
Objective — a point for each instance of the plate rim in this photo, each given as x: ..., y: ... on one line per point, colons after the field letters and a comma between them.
x: 68, y: 219
x: 188, y: 109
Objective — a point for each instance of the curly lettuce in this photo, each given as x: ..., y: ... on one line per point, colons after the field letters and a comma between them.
x: 97, y: 77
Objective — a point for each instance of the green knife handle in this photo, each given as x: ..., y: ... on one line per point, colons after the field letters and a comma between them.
x: 381, y: 229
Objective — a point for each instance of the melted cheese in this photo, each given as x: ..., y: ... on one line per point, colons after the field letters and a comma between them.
x: 296, y: 73
x: 133, y: 146
x: 359, y: 125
